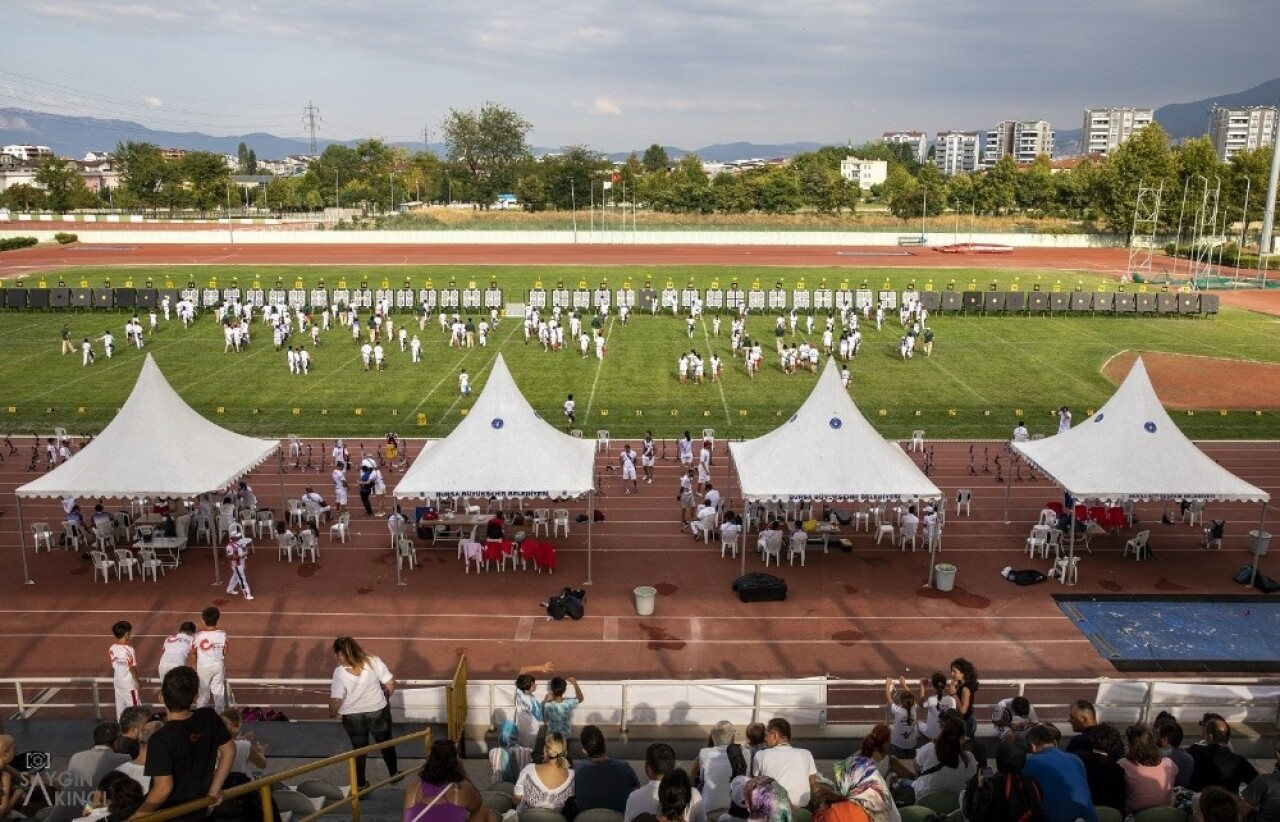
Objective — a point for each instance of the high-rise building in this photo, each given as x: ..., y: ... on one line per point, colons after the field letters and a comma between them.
x: 1232, y: 130
x: 1023, y: 140
x: 956, y: 152
x: 918, y: 141
x: 1106, y: 128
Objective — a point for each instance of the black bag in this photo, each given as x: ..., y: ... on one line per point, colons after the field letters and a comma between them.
x: 1027, y: 576
x: 759, y: 587
x: 571, y: 602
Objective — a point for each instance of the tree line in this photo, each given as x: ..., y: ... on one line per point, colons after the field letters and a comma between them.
x: 487, y: 154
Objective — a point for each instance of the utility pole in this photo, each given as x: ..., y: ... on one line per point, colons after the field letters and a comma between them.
x: 426, y: 138
x: 309, y: 113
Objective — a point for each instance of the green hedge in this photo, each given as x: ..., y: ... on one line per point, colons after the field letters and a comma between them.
x: 64, y: 238
x: 17, y: 242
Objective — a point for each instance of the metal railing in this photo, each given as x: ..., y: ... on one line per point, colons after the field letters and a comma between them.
x: 263, y: 785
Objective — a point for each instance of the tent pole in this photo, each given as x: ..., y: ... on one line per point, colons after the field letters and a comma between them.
x: 591, y: 518
x: 22, y: 536
x: 396, y: 551
x: 1008, y: 489
x: 1257, y: 558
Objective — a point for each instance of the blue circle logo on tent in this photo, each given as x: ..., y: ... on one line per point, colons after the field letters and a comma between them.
x: 835, y: 423
x: 497, y: 423
x: 1098, y: 418
x: 1150, y: 427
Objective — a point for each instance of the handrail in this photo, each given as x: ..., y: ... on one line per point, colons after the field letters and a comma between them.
x: 263, y: 784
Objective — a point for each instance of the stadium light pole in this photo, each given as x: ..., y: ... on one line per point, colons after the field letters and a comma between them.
x: 1177, y: 243
x: 1244, y: 220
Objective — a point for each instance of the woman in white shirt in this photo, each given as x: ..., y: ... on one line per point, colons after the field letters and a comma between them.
x: 361, y: 685
x: 548, y: 785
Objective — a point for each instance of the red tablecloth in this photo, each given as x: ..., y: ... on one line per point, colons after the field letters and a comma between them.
x: 542, y: 552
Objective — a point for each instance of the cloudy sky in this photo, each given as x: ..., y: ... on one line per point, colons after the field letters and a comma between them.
x: 621, y: 75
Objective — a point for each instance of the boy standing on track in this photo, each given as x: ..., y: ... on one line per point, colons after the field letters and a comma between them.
x: 237, y: 553
x: 646, y: 456
x: 628, y: 459
x: 211, y: 661
x: 124, y: 667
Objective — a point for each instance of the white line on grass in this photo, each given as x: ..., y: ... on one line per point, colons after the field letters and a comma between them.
x: 591, y: 398
x: 1041, y: 360
x: 723, y: 402
x: 450, y: 372
x: 954, y: 378
x: 62, y: 386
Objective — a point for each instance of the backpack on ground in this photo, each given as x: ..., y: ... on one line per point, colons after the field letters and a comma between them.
x: 571, y: 602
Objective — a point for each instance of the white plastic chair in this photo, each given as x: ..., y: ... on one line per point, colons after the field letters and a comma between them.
x: 861, y: 519
x: 1137, y: 545
x: 101, y: 565
x: 125, y: 563
x: 602, y: 440
x: 771, y: 546
x: 730, y: 544
x: 707, y: 526
x: 395, y: 527
x: 204, y: 529
x: 105, y: 535
x: 908, y: 534
x: 1038, y: 541
x: 884, y: 529
x: 285, y: 543
x: 471, y: 551
x: 1048, y: 517
x: 148, y: 562
x: 542, y: 519
x: 795, y: 546
x: 560, y: 520
x: 342, y: 526
x: 964, y: 498
x: 138, y: 507
x: 917, y: 440
x: 75, y: 534
x: 307, y: 543
x: 1054, y: 543
x: 249, y: 522
x: 1195, y: 513
x: 224, y: 527
x: 266, y: 523
x: 41, y: 533
x: 576, y: 433
x: 405, y: 553
x: 297, y: 512
x: 1065, y: 569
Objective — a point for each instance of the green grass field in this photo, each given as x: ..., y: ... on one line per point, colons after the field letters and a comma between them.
x: 984, y: 370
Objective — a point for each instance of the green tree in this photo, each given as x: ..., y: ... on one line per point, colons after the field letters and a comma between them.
x: 23, y: 197
x: 656, y: 160
x: 997, y: 188
x: 246, y: 159
x: 64, y: 187
x: 570, y: 176
x: 142, y: 172
x: 286, y: 194
x: 1036, y: 190
x: 488, y: 143
x: 730, y: 194
x: 778, y: 190
x: 1248, y: 172
x: 1143, y: 159
x: 1073, y: 191
x: 531, y: 190
x: 207, y: 181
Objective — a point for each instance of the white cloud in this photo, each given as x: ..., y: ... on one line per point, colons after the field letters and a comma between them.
x: 604, y: 106
x: 154, y: 102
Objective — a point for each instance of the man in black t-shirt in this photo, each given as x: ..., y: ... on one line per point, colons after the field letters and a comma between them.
x: 190, y: 757
x: 1216, y: 763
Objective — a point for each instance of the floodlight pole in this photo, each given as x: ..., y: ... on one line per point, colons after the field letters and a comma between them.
x: 1269, y: 210
x: 1177, y: 243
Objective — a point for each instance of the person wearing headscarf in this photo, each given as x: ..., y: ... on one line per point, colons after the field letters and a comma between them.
x: 858, y: 779
x: 767, y: 801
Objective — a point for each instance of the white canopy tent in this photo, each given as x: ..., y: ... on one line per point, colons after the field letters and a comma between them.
x: 1131, y: 450
x: 828, y: 451
x: 504, y: 448
x: 157, y: 446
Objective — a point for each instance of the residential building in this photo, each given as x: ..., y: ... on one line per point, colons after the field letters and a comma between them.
x: 1023, y: 140
x: 866, y: 173
x: 1106, y: 128
x: 1232, y: 130
x: 918, y: 141
x: 28, y: 153
x: 957, y: 152
x: 173, y: 153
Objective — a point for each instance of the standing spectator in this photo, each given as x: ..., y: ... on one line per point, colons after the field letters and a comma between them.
x: 339, y: 486
x: 178, y: 648
x: 1148, y: 776
x: 191, y: 755
x: 211, y: 661
x: 793, y: 768
x: 557, y: 711
x: 965, y: 678
x: 124, y: 667
x: 361, y: 684
x: 659, y: 762
x: 442, y: 783
x: 715, y: 767
x: 942, y: 699
x: 1262, y: 796
x: 528, y: 708
x: 549, y: 784
x: 1106, y: 777
x: 1061, y: 777
x: 601, y: 782
x: 366, y: 487
x: 1216, y: 763
x: 901, y: 708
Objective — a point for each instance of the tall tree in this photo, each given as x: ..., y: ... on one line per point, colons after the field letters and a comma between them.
x: 656, y: 160
x: 207, y: 180
x: 1035, y: 186
x: 488, y: 143
x: 1249, y: 172
x: 142, y: 172
x: 1143, y: 160
x: 63, y: 185
x: 23, y: 197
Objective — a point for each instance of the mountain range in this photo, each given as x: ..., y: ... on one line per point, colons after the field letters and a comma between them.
x: 71, y: 136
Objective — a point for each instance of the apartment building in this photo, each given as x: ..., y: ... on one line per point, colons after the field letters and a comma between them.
x: 918, y: 141
x: 1107, y: 128
x: 1023, y: 140
x: 957, y: 152
x: 1232, y: 130
x: 866, y: 173
x: 28, y: 153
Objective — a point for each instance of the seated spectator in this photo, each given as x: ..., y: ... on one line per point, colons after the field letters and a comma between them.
x: 675, y: 793
x: 1106, y: 777
x: 1013, y: 714
x: 1216, y: 763
x: 1262, y: 797
x: 767, y: 800
x: 1084, y: 717
x: 1148, y: 776
x: 315, y: 503
x: 442, y: 781
x: 755, y: 737
x: 599, y: 781
x: 943, y: 766
x: 1014, y: 796
x: 793, y: 768
x: 88, y: 767
x: 549, y: 784
x: 508, y: 758
x: 660, y: 760
x: 495, y: 530
x: 10, y: 788
x: 101, y: 519
x: 118, y: 797
x: 1215, y: 804
x: 131, y: 721
x: 1064, y: 789
x: 136, y: 767
x: 703, y: 519
x: 246, y: 497
x: 1169, y: 737
x: 731, y: 529
x: 248, y: 752
x: 875, y: 746
x: 859, y: 780
x: 714, y: 768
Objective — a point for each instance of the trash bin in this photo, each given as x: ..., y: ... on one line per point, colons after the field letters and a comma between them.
x: 1259, y: 542
x: 946, y: 574
x: 645, y: 596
